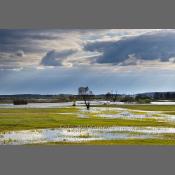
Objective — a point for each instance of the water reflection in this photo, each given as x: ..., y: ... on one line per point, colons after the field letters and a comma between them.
x: 82, y: 134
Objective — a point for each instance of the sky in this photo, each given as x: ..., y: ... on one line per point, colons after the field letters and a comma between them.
x: 54, y: 61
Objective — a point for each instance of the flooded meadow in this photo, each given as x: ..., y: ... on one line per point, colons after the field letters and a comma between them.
x: 51, y: 123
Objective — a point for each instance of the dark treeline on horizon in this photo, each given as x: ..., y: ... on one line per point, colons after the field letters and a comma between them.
x: 140, y: 98
x: 155, y: 95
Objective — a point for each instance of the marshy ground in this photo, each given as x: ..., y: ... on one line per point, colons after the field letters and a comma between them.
x: 102, y: 124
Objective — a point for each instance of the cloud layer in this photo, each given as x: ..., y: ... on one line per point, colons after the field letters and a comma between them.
x: 133, y: 50
x: 33, y: 48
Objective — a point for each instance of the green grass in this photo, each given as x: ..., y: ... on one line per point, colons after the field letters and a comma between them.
x: 84, y: 135
x: 22, y: 119
x: 138, y: 112
x: 12, y: 119
x: 38, y: 110
x: 170, y: 113
x: 118, y: 142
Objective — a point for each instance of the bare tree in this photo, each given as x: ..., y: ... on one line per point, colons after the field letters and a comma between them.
x: 86, y: 95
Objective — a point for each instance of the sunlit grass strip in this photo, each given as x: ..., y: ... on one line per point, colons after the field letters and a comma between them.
x: 25, y: 122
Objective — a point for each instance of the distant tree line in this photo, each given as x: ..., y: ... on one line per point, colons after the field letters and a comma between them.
x: 127, y: 98
x: 164, y: 95
x: 87, y: 96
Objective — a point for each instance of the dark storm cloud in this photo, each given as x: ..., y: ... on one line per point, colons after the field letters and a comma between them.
x: 154, y: 46
x: 13, y: 40
x: 32, y: 44
x: 26, y: 47
x: 54, y: 58
x: 15, y: 44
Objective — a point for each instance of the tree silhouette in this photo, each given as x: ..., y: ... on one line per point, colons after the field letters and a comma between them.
x: 86, y: 95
